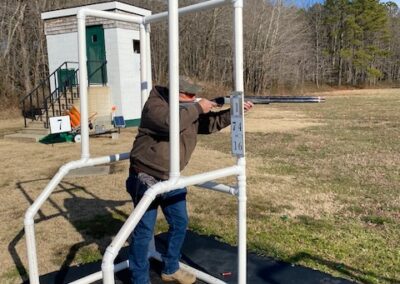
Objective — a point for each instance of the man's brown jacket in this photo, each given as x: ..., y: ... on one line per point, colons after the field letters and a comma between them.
x: 150, y: 152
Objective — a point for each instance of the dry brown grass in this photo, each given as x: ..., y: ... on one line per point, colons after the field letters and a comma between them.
x: 289, y: 212
x: 34, y: 164
x: 359, y: 92
x: 26, y: 170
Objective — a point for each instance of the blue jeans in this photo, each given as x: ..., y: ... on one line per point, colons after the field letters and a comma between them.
x: 173, y: 205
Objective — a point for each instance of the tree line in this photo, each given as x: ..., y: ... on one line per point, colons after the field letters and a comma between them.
x: 335, y: 43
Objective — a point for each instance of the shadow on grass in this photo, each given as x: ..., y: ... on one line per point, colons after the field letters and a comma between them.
x: 98, y: 220
x: 95, y: 219
x: 357, y: 274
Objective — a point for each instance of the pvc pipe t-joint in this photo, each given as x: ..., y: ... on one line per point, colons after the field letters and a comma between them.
x: 237, y: 3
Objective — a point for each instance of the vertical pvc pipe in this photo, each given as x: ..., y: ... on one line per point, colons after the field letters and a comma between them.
x: 238, y: 45
x: 143, y: 65
x: 173, y: 32
x: 148, y: 53
x: 242, y: 228
x: 83, y: 83
x: 242, y: 198
x: 31, y: 251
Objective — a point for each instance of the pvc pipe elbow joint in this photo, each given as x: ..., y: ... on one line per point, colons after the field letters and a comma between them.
x: 160, y: 187
x: 29, y: 215
x: 73, y: 165
x: 108, y: 260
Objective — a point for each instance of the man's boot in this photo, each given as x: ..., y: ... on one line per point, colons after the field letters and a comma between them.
x: 180, y: 276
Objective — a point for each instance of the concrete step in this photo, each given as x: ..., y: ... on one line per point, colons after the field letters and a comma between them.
x: 70, y: 95
x: 35, y: 123
x: 57, y: 112
x: 63, y: 106
x: 24, y: 137
x: 38, y: 131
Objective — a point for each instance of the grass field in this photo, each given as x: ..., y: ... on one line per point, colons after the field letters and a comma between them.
x: 323, y: 191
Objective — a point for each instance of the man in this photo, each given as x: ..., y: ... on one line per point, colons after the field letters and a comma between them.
x: 149, y: 164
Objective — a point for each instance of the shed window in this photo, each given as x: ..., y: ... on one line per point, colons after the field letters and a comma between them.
x: 136, y: 46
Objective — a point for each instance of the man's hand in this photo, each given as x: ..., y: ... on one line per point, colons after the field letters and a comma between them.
x: 248, y: 105
x: 207, y: 105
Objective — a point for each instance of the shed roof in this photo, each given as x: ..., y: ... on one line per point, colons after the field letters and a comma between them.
x: 107, y: 6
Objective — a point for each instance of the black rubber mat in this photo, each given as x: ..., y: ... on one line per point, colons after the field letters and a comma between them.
x: 215, y: 258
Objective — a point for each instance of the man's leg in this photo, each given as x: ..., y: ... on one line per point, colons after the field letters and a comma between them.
x: 141, y: 236
x: 173, y: 205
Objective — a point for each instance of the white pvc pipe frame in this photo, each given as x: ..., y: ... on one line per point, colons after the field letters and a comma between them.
x: 175, y: 181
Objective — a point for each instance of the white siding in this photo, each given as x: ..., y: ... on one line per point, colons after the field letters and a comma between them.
x: 124, y: 77
x: 113, y: 72
x: 123, y: 66
x: 61, y: 48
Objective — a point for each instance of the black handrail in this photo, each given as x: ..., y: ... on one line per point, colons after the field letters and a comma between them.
x: 53, y: 100
x: 34, y: 109
x: 47, y: 79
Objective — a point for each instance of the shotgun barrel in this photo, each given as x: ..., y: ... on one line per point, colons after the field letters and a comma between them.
x: 273, y: 99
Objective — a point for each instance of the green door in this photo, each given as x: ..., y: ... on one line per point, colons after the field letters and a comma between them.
x: 96, y: 55
x: 66, y: 78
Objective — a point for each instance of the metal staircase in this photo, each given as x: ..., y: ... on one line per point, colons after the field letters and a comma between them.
x: 57, y: 93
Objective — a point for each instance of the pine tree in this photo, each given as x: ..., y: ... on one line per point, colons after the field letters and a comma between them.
x: 357, y: 38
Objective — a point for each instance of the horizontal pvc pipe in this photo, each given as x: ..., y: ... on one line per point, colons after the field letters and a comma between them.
x: 82, y: 13
x: 62, y: 172
x: 98, y: 275
x: 208, y: 176
x: 218, y: 187
x: 199, y: 274
x: 186, y: 10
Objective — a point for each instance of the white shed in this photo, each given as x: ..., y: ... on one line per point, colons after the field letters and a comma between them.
x: 113, y: 54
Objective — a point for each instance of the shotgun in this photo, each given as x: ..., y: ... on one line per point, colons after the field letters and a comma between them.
x: 272, y: 99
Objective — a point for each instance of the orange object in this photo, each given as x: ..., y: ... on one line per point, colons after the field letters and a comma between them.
x: 76, y: 112
x: 74, y: 120
x: 75, y: 116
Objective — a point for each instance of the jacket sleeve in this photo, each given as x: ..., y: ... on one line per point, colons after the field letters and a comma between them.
x: 214, y: 121
x: 155, y: 117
